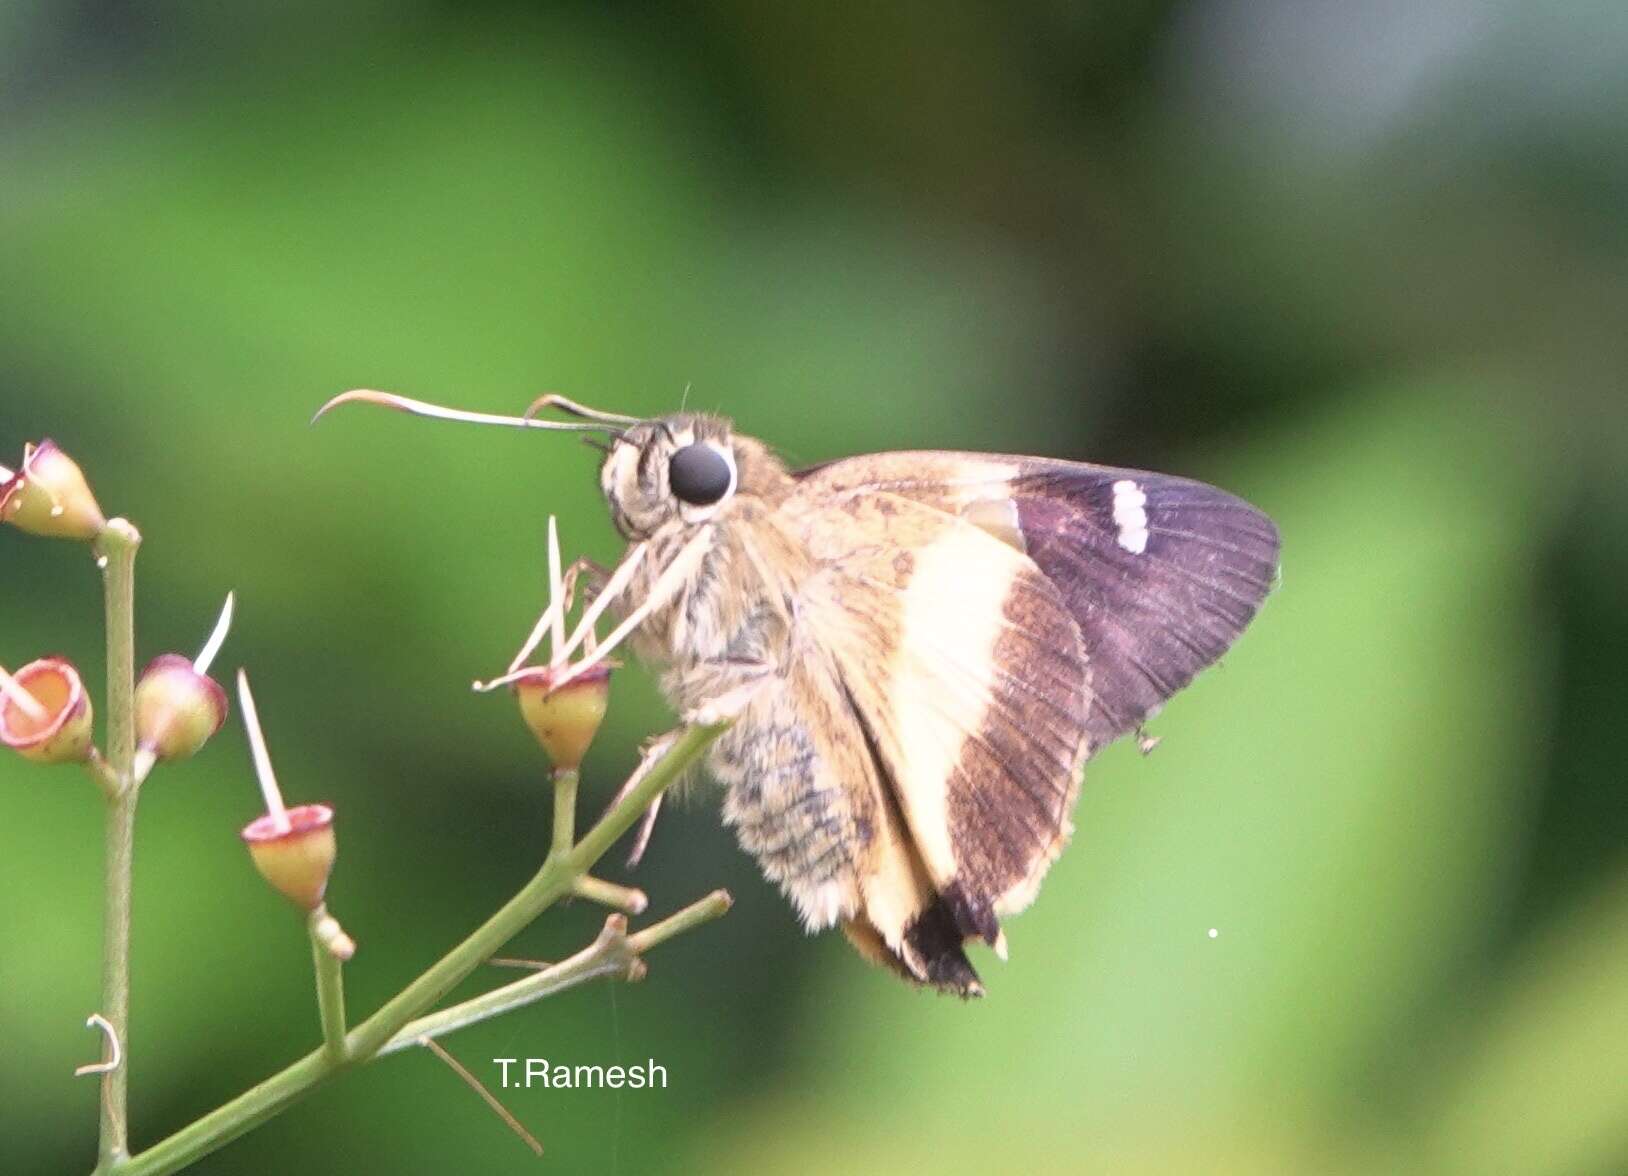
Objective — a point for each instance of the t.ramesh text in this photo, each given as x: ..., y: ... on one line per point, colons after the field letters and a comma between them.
x: 524, y: 1073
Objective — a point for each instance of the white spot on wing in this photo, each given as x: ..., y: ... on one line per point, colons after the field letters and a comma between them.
x: 1131, y: 516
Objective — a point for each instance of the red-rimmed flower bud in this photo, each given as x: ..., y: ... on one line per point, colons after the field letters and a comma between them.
x: 565, y: 718
x: 49, y: 496
x: 294, y: 851
x: 177, y: 708
x: 51, y: 722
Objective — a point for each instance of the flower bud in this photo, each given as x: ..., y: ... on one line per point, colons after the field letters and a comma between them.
x: 61, y: 732
x: 49, y: 496
x: 566, y: 718
x: 177, y: 708
x: 294, y: 851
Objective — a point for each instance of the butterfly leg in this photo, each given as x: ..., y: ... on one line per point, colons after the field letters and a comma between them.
x: 652, y: 752
x: 728, y: 704
x: 641, y: 839
x: 592, y: 574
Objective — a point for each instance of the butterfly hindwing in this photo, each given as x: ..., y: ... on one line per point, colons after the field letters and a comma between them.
x: 966, y: 679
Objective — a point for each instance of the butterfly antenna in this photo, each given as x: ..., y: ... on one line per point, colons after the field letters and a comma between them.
x: 439, y: 412
x: 566, y: 405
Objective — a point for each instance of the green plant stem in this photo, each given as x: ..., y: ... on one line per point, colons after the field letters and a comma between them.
x: 685, y: 751
x: 627, y: 899
x: 364, y: 1042
x: 117, y: 548
x: 612, y: 953
x: 102, y: 772
x: 565, y: 810
x: 713, y: 906
x: 330, y: 989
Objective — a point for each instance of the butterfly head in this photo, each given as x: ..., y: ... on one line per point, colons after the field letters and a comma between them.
x: 683, y: 470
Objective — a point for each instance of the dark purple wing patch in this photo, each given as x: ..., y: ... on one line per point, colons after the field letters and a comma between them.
x: 1161, y: 574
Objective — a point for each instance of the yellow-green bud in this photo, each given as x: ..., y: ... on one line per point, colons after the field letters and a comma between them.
x: 49, y: 496
x: 177, y: 708
x: 294, y: 851
x: 565, y: 718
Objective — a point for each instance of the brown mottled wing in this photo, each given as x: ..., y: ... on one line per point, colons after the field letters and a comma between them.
x: 1161, y: 574
x: 966, y: 679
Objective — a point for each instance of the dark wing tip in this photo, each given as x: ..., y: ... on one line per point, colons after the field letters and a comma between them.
x: 1162, y: 575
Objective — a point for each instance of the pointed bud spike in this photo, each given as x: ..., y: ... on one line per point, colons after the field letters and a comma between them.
x: 17, y: 693
x: 262, y: 757
x: 556, y: 587
x: 217, y: 637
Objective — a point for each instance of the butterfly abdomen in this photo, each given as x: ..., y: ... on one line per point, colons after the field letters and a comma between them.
x: 790, y: 811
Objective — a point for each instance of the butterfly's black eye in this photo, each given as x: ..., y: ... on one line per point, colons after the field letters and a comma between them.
x: 700, y: 474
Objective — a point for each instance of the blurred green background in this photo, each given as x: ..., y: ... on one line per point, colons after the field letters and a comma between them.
x: 1364, y: 263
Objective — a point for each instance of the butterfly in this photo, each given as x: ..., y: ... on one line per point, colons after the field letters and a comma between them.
x: 918, y: 651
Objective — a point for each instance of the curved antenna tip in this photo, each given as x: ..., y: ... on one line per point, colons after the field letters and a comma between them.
x: 365, y: 394
x: 567, y: 405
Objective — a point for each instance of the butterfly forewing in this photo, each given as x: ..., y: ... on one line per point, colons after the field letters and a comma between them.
x: 1161, y: 574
